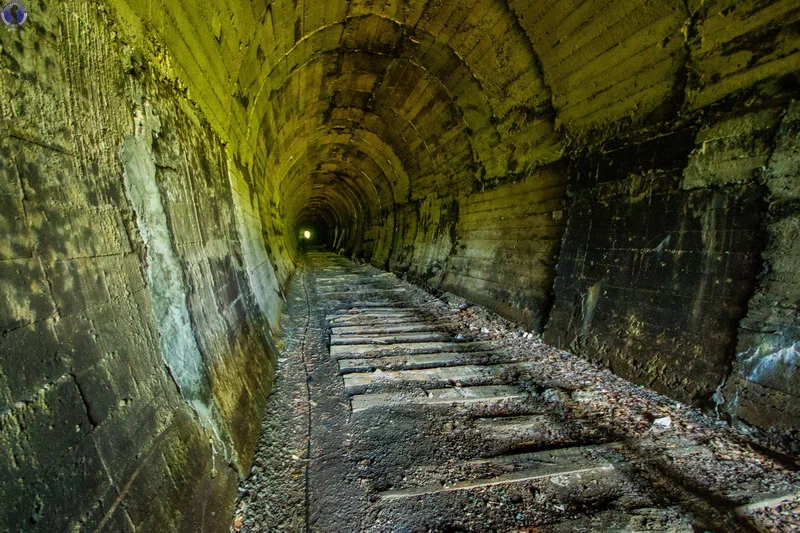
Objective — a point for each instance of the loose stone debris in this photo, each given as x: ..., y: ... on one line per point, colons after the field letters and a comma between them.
x: 429, y: 414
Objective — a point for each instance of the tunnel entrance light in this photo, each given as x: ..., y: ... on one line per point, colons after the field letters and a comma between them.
x: 307, y: 234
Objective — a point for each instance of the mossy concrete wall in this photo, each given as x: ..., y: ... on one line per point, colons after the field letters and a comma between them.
x: 137, y: 302
x: 653, y: 279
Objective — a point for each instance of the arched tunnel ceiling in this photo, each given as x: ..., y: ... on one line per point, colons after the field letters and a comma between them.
x: 363, y: 106
x: 383, y: 108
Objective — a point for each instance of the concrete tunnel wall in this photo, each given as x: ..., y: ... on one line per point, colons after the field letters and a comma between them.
x: 621, y: 176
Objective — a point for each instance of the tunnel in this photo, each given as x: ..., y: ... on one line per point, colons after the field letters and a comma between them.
x: 591, y: 206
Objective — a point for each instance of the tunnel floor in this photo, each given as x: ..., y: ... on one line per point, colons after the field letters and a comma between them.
x: 429, y: 414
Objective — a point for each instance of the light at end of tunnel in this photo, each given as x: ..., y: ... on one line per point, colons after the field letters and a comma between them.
x: 307, y: 234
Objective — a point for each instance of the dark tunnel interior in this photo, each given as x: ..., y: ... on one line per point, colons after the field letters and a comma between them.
x: 615, y: 181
